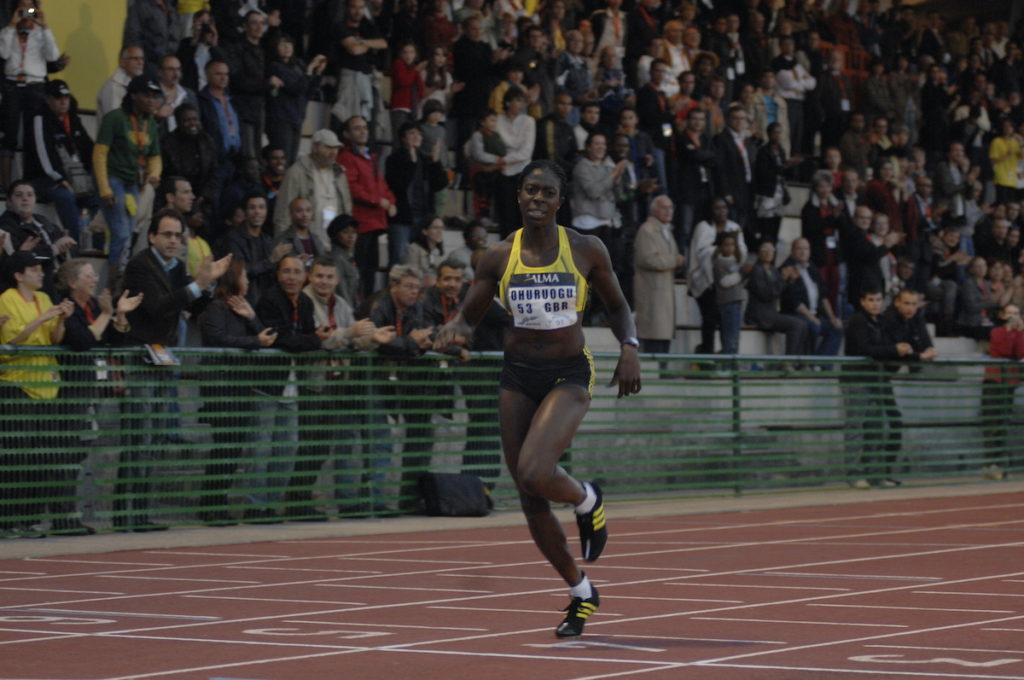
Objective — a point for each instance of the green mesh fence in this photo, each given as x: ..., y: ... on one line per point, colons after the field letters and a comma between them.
x: 263, y: 436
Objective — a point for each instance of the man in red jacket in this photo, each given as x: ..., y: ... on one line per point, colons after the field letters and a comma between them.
x: 372, y: 200
x: 1005, y: 342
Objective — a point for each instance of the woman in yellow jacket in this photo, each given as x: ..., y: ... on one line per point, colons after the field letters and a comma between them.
x: 1005, y: 154
x: 33, y: 424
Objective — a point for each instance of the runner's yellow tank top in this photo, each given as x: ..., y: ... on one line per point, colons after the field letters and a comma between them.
x: 543, y: 298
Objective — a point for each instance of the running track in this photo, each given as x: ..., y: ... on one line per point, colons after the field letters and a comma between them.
x: 930, y: 588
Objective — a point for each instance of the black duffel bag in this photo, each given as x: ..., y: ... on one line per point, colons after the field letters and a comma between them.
x: 454, y: 495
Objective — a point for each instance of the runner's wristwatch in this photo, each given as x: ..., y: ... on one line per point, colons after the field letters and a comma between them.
x: 631, y: 341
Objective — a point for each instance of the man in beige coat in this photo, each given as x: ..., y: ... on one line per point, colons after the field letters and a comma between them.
x: 319, y: 179
x: 656, y: 259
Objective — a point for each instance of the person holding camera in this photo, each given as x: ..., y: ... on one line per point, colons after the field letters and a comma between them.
x: 201, y: 48
x: 26, y: 45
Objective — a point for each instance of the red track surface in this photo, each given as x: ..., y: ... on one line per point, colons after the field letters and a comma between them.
x: 895, y: 589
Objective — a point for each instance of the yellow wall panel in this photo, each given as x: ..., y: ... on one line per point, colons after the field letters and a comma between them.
x: 90, y: 32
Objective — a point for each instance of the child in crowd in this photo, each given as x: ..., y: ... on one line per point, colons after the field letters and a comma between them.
x: 730, y: 291
x: 486, y: 151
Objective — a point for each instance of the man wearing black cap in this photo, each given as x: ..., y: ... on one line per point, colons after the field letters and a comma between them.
x: 34, y: 233
x: 127, y: 154
x: 58, y: 157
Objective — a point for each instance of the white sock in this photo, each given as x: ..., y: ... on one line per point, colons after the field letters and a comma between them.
x: 582, y: 589
x: 589, y: 502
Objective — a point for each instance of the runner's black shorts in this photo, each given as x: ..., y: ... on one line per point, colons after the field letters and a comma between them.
x: 537, y: 377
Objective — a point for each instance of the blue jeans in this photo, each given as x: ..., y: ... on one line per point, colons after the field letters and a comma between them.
x: 399, y: 236
x: 353, y: 472
x: 824, y: 338
x: 732, y: 321
x: 275, y: 443
x: 119, y: 221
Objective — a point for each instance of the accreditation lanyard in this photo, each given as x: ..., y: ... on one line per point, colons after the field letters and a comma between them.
x: 89, y: 316
x: 140, y: 146
x: 448, y: 316
x: 331, y: 321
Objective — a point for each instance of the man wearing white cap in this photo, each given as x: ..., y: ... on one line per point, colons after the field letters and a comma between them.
x: 319, y: 179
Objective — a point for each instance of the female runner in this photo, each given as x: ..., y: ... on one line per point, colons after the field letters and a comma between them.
x: 541, y: 274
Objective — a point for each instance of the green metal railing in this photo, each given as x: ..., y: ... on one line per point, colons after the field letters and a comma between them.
x: 263, y: 436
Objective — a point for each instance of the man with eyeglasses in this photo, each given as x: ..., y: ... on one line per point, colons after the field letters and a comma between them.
x: 167, y: 290
x: 130, y: 64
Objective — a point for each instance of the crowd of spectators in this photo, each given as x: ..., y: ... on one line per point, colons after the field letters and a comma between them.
x: 682, y: 125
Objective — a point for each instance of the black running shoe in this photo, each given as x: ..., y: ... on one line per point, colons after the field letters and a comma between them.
x: 593, y: 533
x: 576, y: 615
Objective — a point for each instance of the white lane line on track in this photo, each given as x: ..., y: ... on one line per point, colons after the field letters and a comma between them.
x: 220, y: 554
x: 833, y: 643
x: 353, y: 540
x: 271, y: 599
x: 772, y: 587
x: 875, y: 577
x: 338, y: 571
x: 668, y: 599
x: 386, y: 625
x: 418, y: 561
x: 529, y: 657
x: 514, y: 577
x: 915, y: 609
x: 23, y: 573
x: 237, y: 664
x: 692, y: 639
x: 130, y: 614
x: 132, y: 564
x: 61, y: 590
x: 425, y: 590
x: 661, y: 569
x: 1008, y: 630
x: 799, y: 622
x: 179, y: 578
x: 950, y: 649
x: 887, y: 673
x: 511, y: 611
x: 939, y: 592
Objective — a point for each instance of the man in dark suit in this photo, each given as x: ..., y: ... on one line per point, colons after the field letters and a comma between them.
x: 697, y: 164
x: 804, y: 297
x: 472, y: 65
x: 643, y: 24
x: 655, y: 117
x: 167, y: 290
x: 734, y: 173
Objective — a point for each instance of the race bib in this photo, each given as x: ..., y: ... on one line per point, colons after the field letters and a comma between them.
x: 542, y: 302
